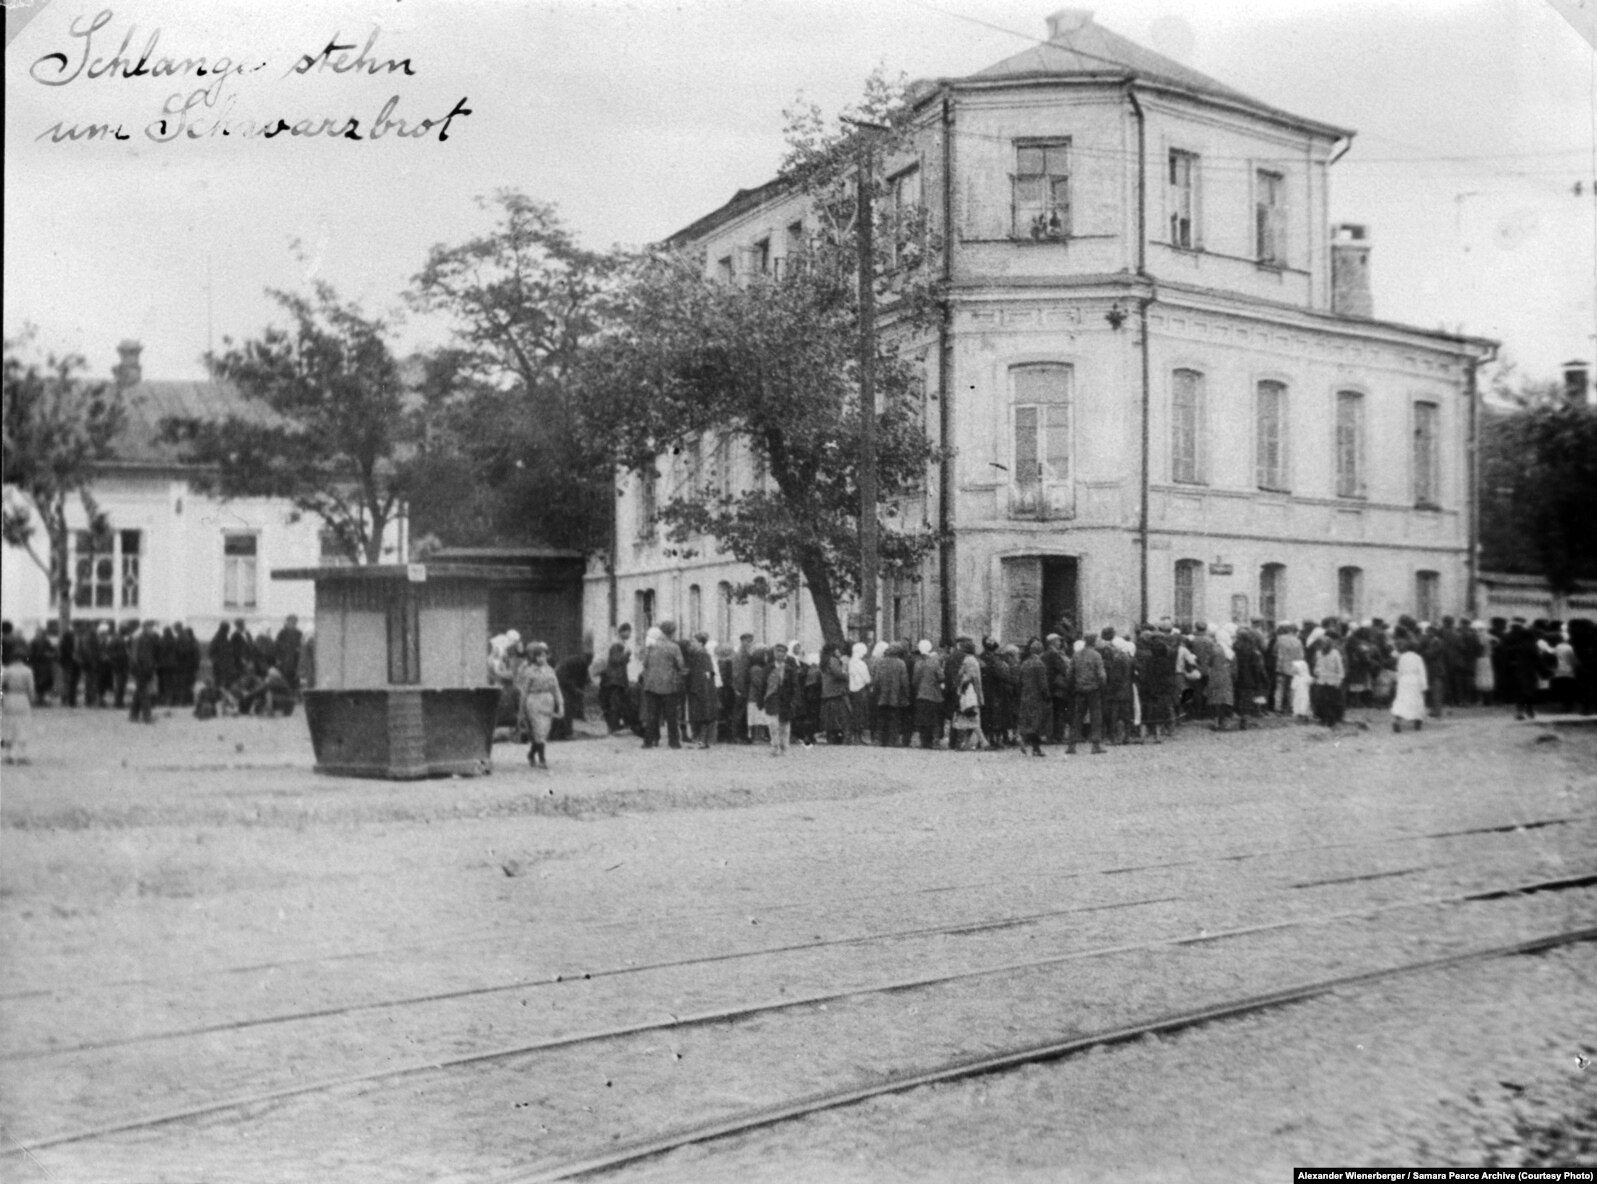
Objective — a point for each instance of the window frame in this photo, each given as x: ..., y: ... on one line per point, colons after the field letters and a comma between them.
x: 1269, y: 218
x: 1351, y: 483
x: 648, y: 502
x: 1047, y: 224
x: 1032, y: 498
x: 1350, y: 592
x: 1428, y: 595
x: 1191, y: 588
x: 1184, y: 196
x: 240, y: 604
x: 899, y: 212
x: 1272, y: 591
x: 1425, y: 455
x: 1279, y: 478
x: 1198, y: 474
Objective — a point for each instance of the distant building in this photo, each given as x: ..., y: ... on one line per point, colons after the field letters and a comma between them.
x: 1160, y: 371
x: 174, y: 554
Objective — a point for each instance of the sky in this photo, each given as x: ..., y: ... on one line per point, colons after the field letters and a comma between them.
x: 1476, y: 119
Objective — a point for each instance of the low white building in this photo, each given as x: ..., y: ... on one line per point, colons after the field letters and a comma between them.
x: 174, y: 554
x: 1159, y: 374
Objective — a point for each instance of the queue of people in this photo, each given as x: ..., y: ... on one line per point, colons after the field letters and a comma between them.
x: 1072, y: 687
x: 141, y: 666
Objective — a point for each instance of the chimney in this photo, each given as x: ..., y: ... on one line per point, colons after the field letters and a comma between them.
x: 1067, y: 22
x: 1577, y: 383
x: 1350, y: 271
x: 128, y: 372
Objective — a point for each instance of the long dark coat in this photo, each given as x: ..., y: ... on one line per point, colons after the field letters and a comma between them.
x: 1034, y: 715
x: 704, y: 704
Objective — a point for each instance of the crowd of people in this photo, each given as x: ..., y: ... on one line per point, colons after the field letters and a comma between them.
x: 141, y: 666
x: 1097, y: 687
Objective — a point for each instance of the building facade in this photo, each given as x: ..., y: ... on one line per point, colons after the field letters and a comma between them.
x: 1158, y: 373
x: 174, y: 553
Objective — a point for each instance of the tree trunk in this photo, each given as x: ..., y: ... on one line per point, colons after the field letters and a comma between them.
x: 819, y: 583
x: 60, y: 574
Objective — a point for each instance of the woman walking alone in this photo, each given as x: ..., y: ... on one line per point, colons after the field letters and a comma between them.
x: 541, y: 702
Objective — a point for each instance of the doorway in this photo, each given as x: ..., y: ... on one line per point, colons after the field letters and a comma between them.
x: 1038, y: 591
x: 1061, y: 593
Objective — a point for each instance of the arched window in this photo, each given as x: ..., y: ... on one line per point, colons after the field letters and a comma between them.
x: 1350, y: 592
x: 1189, y: 591
x: 1272, y: 592
x: 695, y: 610
x: 723, y: 612
x: 1428, y: 595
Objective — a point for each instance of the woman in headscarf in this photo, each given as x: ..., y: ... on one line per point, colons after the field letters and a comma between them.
x: 1251, y: 683
x: 891, y: 693
x: 834, y: 694
x: 859, y: 683
x: 703, y: 688
x: 968, y: 700
x: 541, y: 702
x: 1034, y: 716
x: 927, y: 688
x: 759, y: 672
x: 1221, y: 688
x: 1485, y: 663
x: 807, y: 701
x: 1412, y: 678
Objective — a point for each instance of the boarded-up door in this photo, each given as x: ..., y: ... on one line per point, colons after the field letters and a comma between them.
x: 1022, y: 598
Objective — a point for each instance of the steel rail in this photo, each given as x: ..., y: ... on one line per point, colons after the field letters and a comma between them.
x: 723, y: 1015
x: 1012, y: 1058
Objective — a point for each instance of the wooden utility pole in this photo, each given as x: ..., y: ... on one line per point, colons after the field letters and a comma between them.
x: 870, y: 560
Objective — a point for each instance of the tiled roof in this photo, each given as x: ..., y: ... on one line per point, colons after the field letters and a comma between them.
x: 148, y: 403
x: 1081, y: 48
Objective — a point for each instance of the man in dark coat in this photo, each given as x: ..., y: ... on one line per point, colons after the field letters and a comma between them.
x: 242, y: 649
x: 664, y: 673
x: 118, y: 660
x: 572, y: 675
x: 740, y: 688
x: 614, y: 683
x: 286, y: 648
x: 142, y: 665
x: 70, y: 670
x: 188, y: 663
x: 224, y: 672
x: 166, y: 667
x: 1453, y: 662
x: 1058, y: 665
x: 41, y: 659
x: 1088, y: 677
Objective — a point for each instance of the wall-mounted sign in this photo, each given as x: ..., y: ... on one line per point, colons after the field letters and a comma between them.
x: 1220, y: 569
x: 417, y: 572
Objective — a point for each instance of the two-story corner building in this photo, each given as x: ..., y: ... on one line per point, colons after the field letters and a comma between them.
x: 1159, y: 371
x: 174, y: 553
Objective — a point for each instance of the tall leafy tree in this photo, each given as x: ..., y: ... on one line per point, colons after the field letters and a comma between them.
x: 523, y: 297
x: 773, y: 362
x: 1539, y: 487
x: 324, y: 421
x: 56, y: 427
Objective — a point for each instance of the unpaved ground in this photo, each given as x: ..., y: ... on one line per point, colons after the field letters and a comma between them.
x: 198, y: 875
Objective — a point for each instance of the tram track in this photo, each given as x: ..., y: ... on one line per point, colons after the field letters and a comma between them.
x: 547, y: 980
x: 616, y: 1156
x: 767, y: 1007
x: 499, y: 934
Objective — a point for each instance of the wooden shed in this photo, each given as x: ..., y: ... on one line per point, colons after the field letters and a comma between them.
x: 402, y: 686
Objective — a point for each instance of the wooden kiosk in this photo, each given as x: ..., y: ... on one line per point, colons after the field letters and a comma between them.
x: 401, y: 654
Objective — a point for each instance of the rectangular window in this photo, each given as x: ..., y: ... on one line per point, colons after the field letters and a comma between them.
x: 1189, y: 592
x: 1427, y: 455
x: 642, y: 615
x: 723, y: 269
x: 1270, y: 418
x: 404, y: 638
x: 695, y: 609
x: 903, y: 210
x: 1183, y: 201
x: 239, y: 573
x: 1042, y: 190
x: 1272, y: 584
x: 1349, y: 444
x: 1350, y: 593
x: 94, y: 570
x: 1186, y: 426
x: 1428, y: 596
x: 761, y: 257
x: 648, y: 501
x: 1042, y: 395
x: 1269, y: 217
x: 129, y: 544
x: 723, y: 612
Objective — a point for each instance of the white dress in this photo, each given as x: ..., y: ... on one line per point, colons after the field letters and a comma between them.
x: 1409, y: 702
